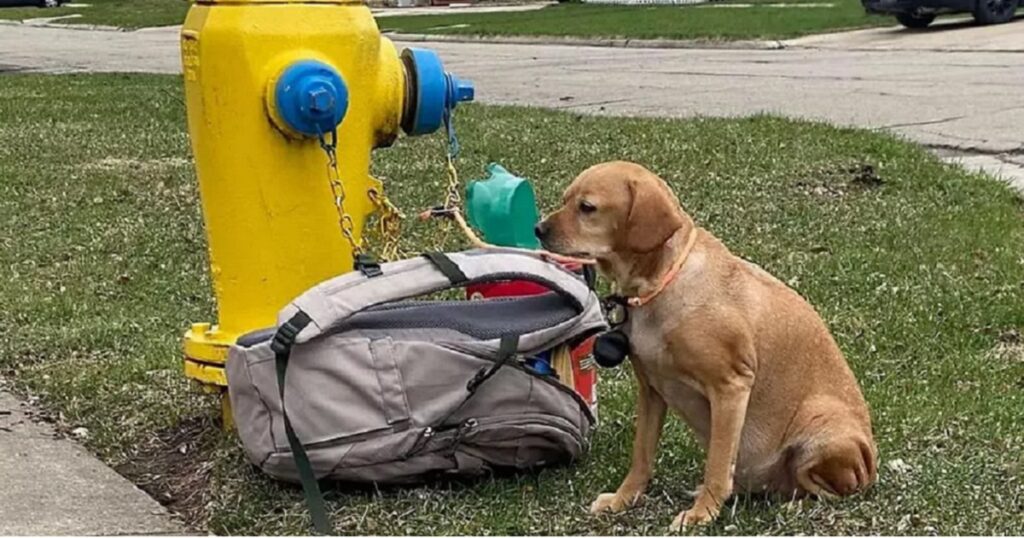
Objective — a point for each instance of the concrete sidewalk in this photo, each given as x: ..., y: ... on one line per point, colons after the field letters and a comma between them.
x: 52, y: 486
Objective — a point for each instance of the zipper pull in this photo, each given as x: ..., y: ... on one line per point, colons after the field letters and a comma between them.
x: 421, y: 442
x: 464, y: 428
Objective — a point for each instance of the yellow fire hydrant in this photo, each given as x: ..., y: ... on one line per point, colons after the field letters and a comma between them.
x: 275, y: 90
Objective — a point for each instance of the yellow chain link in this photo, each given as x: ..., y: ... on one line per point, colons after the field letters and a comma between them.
x: 389, y: 217
x: 389, y: 224
x: 338, y: 192
x: 453, y: 200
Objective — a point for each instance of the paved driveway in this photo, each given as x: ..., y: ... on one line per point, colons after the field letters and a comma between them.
x: 955, y: 34
x: 957, y: 88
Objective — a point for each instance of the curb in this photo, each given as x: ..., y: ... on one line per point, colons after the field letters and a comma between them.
x: 589, y: 42
x: 90, y: 27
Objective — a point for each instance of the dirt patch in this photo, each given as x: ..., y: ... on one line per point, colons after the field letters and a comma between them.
x: 174, y: 467
x: 1010, y: 347
x: 843, y: 180
x: 864, y: 176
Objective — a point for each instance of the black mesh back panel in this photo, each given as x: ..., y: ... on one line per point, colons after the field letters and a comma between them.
x: 484, y: 320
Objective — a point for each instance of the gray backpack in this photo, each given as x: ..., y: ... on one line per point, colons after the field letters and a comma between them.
x: 379, y: 388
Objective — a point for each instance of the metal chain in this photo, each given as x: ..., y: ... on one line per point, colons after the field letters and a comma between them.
x: 453, y: 198
x: 338, y: 192
x: 452, y: 206
x: 389, y: 220
x: 389, y: 224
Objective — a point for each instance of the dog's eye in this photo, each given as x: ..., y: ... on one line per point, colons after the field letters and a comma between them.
x: 587, y: 207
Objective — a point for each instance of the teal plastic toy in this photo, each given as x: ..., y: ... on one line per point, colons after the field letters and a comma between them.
x: 503, y: 208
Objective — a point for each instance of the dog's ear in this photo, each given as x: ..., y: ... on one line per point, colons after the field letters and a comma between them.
x: 653, y: 218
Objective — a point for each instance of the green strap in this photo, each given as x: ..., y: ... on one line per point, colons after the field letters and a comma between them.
x: 282, y: 346
x: 507, y: 348
x: 447, y: 267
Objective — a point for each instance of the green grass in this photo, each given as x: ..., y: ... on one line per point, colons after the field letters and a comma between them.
x: 121, y: 13
x: 711, y: 21
x: 920, y: 279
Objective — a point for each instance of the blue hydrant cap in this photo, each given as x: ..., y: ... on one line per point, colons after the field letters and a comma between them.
x: 431, y: 91
x: 311, y: 97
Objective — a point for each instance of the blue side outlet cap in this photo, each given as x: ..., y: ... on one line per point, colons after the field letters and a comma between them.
x: 311, y: 97
x: 430, y: 91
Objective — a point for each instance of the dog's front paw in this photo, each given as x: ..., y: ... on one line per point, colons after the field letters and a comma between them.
x: 608, y: 502
x: 694, y: 516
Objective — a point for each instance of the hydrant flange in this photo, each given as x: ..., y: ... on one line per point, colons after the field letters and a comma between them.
x: 311, y: 98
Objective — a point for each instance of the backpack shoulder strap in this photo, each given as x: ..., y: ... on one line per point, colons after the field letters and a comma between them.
x: 447, y: 267
x: 331, y: 302
x: 282, y: 346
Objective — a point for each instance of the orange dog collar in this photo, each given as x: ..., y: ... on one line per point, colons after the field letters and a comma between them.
x: 670, y: 275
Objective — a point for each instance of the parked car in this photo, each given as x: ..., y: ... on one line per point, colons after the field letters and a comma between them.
x: 29, y: 3
x: 921, y: 13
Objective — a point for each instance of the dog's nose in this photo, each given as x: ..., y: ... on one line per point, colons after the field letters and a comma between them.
x: 540, y: 230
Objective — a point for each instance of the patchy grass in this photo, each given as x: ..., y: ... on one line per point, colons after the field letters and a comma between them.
x: 766, y: 19
x: 915, y: 265
x: 121, y: 13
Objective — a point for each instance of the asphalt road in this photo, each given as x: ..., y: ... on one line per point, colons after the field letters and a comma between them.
x: 956, y: 87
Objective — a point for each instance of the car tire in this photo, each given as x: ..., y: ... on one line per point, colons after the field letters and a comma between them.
x: 994, y: 11
x: 915, y: 20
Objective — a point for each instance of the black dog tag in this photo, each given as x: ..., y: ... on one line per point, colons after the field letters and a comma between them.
x: 611, y: 348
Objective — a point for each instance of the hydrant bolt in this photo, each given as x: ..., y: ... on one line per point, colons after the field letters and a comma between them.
x: 321, y: 101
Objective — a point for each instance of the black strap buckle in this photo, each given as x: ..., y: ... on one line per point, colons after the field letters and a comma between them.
x: 286, y: 333
x: 368, y: 265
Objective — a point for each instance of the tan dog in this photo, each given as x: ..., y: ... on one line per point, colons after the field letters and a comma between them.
x: 741, y: 357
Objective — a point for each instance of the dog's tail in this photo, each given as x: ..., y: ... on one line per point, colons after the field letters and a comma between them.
x: 838, y: 467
